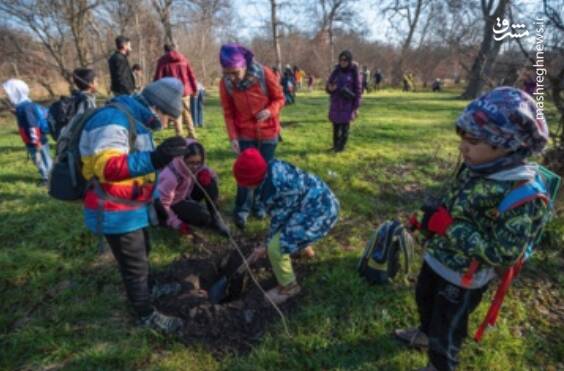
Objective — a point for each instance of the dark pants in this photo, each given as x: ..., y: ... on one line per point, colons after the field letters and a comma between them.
x: 197, y: 106
x: 131, y: 251
x: 340, y: 136
x: 443, y: 310
x: 245, y: 198
x: 191, y: 211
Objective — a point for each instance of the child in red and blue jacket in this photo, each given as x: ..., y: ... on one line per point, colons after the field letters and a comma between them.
x: 32, y: 124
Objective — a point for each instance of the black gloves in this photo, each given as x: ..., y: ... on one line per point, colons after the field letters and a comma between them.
x: 167, y: 150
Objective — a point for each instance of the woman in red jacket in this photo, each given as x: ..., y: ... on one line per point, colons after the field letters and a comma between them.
x: 251, y: 98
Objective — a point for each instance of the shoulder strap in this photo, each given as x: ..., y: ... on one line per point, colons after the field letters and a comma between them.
x: 524, y: 193
x: 262, y: 80
x: 131, y: 122
x: 228, y: 86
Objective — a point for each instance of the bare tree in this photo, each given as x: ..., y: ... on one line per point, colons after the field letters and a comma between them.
x: 489, y: 48
x: 164, y: 9
x: 59, y: 25
x: 331, y: 15
x: 274, y: 5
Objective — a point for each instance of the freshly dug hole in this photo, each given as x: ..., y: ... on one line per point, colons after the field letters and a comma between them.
x: 230, y: 327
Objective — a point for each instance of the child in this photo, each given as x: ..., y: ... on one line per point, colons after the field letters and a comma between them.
x: 464, y: 231
x: 179, y: 204
x: 32, y: 124
x: 86, y: 81
x: 302, y: 209
x: 137, y: 71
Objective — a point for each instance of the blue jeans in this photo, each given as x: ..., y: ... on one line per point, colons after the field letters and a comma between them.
x: 42, y: 159
x: 197, y: 105
x: 245, y: 199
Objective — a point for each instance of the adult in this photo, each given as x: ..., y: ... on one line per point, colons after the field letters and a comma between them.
x: 124, y: 164
x: 345, y: 88
x: 251, y: 97
x: 365, y: 79
x: 174, y: 64
x: 123, y: 82
x: 378, y: 78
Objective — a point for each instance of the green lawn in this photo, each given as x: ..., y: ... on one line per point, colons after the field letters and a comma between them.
x: 63, y: 307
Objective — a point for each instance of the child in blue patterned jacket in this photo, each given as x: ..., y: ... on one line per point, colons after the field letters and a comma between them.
x: 302, y: 208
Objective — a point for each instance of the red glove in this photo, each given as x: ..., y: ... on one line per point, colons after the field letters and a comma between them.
x: 205, y: 178
x: 184, y: 229
x: 439, y: 221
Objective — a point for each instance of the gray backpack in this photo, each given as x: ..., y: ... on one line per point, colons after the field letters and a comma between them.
x: 66, y: 182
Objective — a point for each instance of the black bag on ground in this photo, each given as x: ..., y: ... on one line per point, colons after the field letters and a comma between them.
x: 237, y: 281
x: 380, y: 260
x: 66, y: 182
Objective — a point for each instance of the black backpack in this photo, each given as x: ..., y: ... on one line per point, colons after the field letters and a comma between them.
x: 60, y: 114
x: 380, y: 262
x: 66, y: 182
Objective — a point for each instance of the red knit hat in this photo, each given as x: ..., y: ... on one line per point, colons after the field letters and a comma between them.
x: 250, y: 168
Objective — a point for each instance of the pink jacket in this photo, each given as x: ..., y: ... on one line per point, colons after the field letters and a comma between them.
x: 175, y: 185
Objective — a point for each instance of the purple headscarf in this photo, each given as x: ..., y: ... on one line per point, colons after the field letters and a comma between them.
x: 233, y: 55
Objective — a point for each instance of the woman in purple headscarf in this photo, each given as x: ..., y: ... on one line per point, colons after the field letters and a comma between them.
x: 251, y: 98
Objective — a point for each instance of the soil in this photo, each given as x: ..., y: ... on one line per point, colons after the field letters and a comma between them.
x: 231, y: 327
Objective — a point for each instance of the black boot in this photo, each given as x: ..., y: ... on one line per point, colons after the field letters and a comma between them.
x: 218, y: 225
x: 344, y: 137
x: 336, y: 137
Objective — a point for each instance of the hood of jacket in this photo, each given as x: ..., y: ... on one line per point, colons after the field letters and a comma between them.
x: 174, y: 57
x: 16, y: 90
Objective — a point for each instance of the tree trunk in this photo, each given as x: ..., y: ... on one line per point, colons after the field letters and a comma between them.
x: 275, y: 35
x: 487, y: 54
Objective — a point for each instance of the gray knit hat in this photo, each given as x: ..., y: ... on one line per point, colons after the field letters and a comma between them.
x: 166, y: 95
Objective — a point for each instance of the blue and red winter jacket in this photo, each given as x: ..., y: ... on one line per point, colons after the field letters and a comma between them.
x: 31, y: 119
x: 122, y: 171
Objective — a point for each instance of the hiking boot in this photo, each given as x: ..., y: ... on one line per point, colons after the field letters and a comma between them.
x: 281, y: 294
x: 164, y: 289
x: 413, y: 337
x: 161, y: 322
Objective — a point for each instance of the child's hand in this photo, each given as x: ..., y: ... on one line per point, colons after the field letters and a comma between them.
x: 257, y: 254
x: 436, y: 220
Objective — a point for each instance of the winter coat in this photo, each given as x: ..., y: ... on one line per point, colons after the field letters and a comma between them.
x: 32, y: 124
x: 479, y: 232
x: 83, y: 101
x: 175, y: 184
x: 241, y: 106
x: 342, y: 108
x: 302, y: 208
x: 123, y: 82
x: 123, y: 172
x: 175, y: 64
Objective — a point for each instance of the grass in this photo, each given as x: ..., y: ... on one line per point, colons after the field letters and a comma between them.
x: 63, y: 307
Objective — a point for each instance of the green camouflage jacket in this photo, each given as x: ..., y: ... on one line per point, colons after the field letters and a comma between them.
x: 479, y: 231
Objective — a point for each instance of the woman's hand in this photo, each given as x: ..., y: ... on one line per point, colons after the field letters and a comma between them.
x: 235, y: 146
x: 331, y: 87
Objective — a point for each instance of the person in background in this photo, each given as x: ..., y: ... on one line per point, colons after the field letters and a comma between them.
x: 139, y: 77
x: 365, y: 79
x: 32, y: 123
x: 378, y: 78
x: 174, y: 64
x: 123, y: 82
x: 345, y: 89
x: 86, y: 81
x: 197, y: 105
x: 252, y: 99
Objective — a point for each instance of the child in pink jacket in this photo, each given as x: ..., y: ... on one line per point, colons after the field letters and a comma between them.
x: 179, y: 204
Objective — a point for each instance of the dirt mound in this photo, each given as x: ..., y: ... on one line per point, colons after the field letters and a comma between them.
x: 230, y: 327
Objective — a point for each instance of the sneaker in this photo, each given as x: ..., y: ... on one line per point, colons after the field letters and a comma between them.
x: 164, y: 289
x: 161, y: 322
x: 280, y: 294
x: 413, y: 337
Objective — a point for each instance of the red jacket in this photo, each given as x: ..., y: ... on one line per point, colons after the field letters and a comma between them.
x: 175, y: 64
x: 241, y: 107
